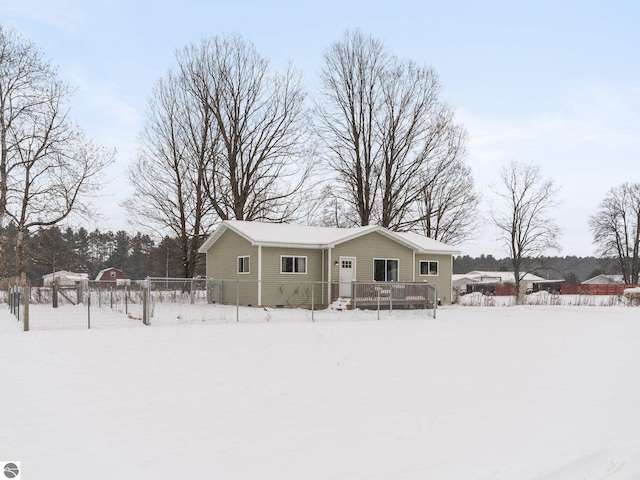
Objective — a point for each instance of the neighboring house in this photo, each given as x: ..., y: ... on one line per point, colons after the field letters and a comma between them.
x: 484, y: 281
x: 64, y: 278
x: 267, y: 253
x: 112, y: 276
x: 605, y: 280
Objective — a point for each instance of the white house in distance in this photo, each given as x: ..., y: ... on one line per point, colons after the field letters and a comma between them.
x: 64, y: 278
x: 466, y: 282
x: 605, y: 280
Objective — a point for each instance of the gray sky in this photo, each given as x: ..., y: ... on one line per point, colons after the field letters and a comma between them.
x: 554, y: 83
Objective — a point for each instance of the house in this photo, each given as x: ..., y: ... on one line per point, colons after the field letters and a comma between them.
x: 263, y: 258
x: 64, y: 278
x: 112, y: 276
x: 486, y: 281
x: 605, y: 280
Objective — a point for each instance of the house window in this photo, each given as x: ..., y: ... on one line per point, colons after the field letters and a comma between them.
x: 243, y: 264
x: 113, y: 274
x: 293, y: 264
x: 428, y: 267
x: 385, y: 269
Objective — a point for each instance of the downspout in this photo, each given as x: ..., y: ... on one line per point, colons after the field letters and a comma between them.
x: 329, y: 276
x: 259, y: 275
x: 414, y: 267
x: 322, y: 278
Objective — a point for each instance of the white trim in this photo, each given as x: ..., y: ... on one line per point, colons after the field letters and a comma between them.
x: 259, y: 275
x: 413, y: 270
x: 428, y: 269
x: 329, y: 274
x: 248, y: 257
x: 294, y: 257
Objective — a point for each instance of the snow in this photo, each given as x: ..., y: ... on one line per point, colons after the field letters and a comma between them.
x: 278, y: 234
x: 527, y: 393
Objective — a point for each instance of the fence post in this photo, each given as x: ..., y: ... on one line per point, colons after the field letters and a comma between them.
x: 354, y: 295
x: 144, y: 305
x: 378, y: 303
x: 146, y: 294
x: 27, y: 297
x: 312, y: 290
x: 55, y: 294
x: 435, y: 301
x: 237, y: 301
x: 89, y: 307
x: 192, y: 297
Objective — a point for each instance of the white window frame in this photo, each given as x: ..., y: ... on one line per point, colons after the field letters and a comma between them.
x: 247, y: 259
x: 428, y: 269
x: 385, y: 269
x: 294, y: 257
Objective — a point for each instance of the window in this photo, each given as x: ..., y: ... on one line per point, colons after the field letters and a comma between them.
x: 113, y: 274
x: 293, y: 264
x: 428, y: 267
x: 243, y: 264
x: 385, y: 270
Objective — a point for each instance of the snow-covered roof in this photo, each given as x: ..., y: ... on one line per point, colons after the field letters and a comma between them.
x: 499, y: 277
x: 427, y: 244
x: 68, y: 275
x: 304, y: 236
x: 604, y: 280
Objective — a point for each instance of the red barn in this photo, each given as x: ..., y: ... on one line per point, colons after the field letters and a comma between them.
x: 112, y: 276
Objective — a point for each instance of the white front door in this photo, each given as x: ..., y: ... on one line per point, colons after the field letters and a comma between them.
x: 347, y: 275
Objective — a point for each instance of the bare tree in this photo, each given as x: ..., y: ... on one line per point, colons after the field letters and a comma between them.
x: 523, y: 221
x: 175, y: 157
x: 347, y: 115
x: 222, y: 141
x: 448, y: 210
x: 260, y: 167
x: 387, y: 136
x: 48, y: 170
x: 616, y: 229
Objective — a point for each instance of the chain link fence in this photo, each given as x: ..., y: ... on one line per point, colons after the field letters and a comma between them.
x: 85, y: 305
x: 173, y: 301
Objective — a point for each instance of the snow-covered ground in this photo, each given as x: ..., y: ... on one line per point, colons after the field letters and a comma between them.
x: 501, y: 393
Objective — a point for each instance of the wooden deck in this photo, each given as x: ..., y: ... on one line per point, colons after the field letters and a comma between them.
x: 387, y: 295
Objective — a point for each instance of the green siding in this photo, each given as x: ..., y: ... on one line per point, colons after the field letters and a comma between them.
x: 442, y: 281
x: 222, y: 264
x: 368, y: 247
x: 290, y: 289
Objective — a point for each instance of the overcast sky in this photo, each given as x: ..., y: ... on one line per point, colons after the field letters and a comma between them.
x: 549, y: 82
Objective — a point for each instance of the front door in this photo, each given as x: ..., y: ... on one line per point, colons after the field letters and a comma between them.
x: 347, y: 275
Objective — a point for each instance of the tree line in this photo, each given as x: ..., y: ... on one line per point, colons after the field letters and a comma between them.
x: 54, y: 249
